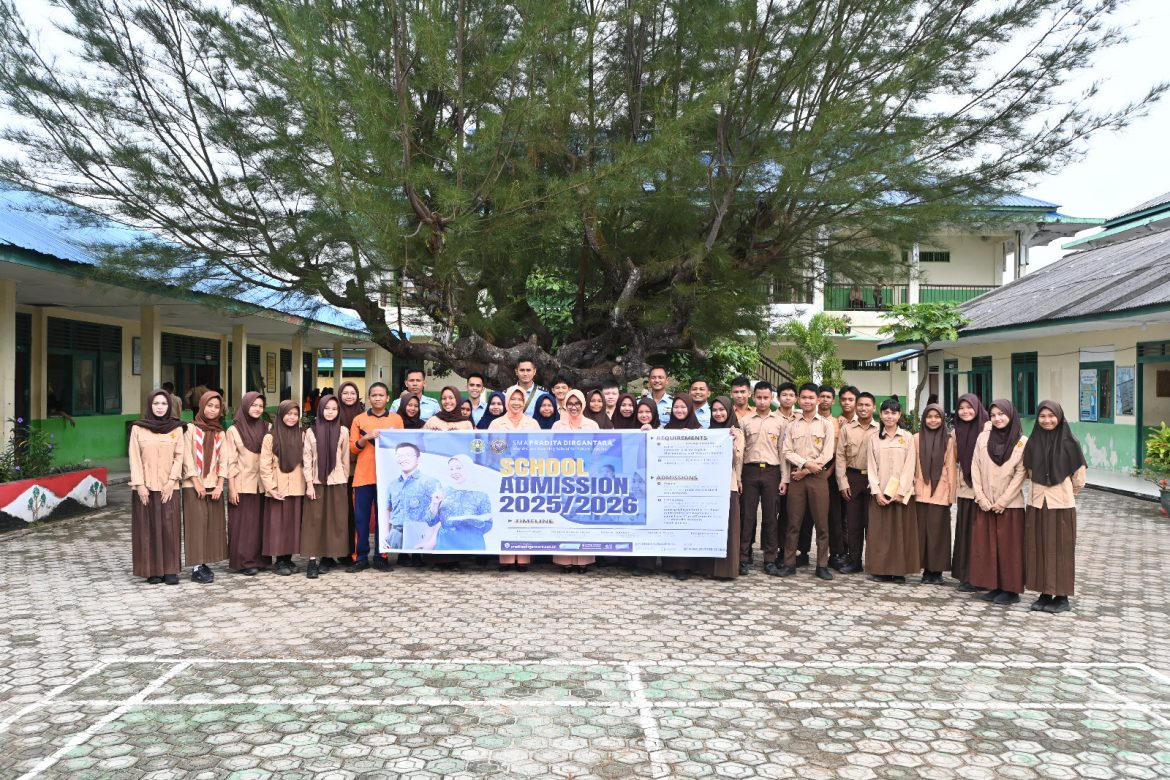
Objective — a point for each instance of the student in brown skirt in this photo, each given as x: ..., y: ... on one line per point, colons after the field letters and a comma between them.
x: 351, y: 407
x: 283, y: 475
x: 245, y: 493
x: 891, y: 544
x: 1056, y: 466
x: 997, y: 530
x: 156, y: 468
x: 934, y: 492
x: 726, y: 568
x: 970, y: 421
x: 324, y: 525
x: 204, y: 470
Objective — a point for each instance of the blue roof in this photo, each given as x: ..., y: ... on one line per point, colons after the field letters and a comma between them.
x: 1023, y: 202
x: 56, y: 228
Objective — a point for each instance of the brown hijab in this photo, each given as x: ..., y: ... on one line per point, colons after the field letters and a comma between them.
x: 410, y: 421
x: 1002, y: 440
x: 453, y: 416
x: 932, y: 446
x: 288, y: 441
x: 159, y: 424
x: 732, y: 421
x: 326, y: 432
x: 967, y: 433
x: 209, y: 425
x: 349, y: 411
x: 251, y: 431
x: 1053, y: 456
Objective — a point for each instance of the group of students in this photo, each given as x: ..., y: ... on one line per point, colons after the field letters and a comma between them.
x: 877, y: 496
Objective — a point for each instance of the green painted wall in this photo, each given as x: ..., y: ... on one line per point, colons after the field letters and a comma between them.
x: 1107, y: 446
x: 96, y: 438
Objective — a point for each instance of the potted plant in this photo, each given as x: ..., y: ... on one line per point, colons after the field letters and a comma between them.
x: 1156, y: 466
x: 31, y: 487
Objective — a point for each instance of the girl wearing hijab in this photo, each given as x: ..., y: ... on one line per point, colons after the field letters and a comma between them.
x: 575, y: 419
x: 450, y: 416
x: 891, y: 541
x: 351, y: 407
x: 204, y: 470
x: 546, y: 414
x: 514, y: 419
x: 156, y: 469
x: 997, y: 530
x: 970, y: 420
x: 682, y: 417
x: 245, y: 493
x: 934, y: 492
x: 623, y: 414
x: 494, y: 411
x: 410, y: 409
x: 595, y: 410
x: 727, y: 567
x: 282, y: 471
x: 324, y: 531
x: 465, y: 409
x: 646, y: 413
x: 1056, y: 466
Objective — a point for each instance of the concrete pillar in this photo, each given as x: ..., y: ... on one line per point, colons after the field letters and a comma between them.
x: 224, y: 374
x: 39, y: 374
x: 7, y: 357
x: 912, y: 291
x: 150, y: 325
x: 338, y: 375
x: 297, y: 380
x: 240, y: 362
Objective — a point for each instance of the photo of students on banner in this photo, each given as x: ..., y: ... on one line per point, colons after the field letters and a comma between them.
x: 612, y: 493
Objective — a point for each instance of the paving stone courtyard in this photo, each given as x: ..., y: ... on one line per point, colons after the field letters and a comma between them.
x: 421, y: 674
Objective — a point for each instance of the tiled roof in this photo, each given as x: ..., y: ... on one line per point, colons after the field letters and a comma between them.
x: 1152, y: 203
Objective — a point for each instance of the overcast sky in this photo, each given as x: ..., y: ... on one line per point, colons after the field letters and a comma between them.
x: 1119, y: 170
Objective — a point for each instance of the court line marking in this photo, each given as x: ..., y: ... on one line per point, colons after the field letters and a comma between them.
x: 48, y: 698
x: 1133, y: 705
x: 84, y: 736
x: 651, y: 737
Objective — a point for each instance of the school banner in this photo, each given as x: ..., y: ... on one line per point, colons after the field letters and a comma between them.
x: 621, y: 493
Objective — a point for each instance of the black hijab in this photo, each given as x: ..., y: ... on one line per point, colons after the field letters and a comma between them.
x: 327, y: 433
x: 601, y: 418
x: 349, y: 411
x: 159, y: 424
x: 622, y: 423
x: 690, y: 422
x: 1052, y: 456
x: 544, y: 422
x: 932, y: 446
x: 487, y: 418
x: 655, y: 423
x: 967, y: 433
x: 1002, y: 440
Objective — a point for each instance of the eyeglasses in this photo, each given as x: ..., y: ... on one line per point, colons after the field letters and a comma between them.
x: 573, y: 405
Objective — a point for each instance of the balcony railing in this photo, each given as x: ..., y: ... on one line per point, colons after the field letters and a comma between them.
x: 844, y: 297
x: 950, y: 293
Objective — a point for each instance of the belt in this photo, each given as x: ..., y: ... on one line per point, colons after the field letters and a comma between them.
x: 763, y: 465
x: 855, y: 471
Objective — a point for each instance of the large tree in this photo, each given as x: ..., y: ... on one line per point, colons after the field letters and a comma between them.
x: 588, y: 183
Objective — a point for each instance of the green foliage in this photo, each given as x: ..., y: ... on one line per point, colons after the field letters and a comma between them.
x: 1156, y: 467
x: 812, y: 357
x: 27, y: 454
x: 923, y: 324
x: 724, y: 360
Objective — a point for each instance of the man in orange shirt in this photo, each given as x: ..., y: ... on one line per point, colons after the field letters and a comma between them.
x: 362, y: 433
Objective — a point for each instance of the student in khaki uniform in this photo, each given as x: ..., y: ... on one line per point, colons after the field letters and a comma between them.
x: 449, y: 417
x: 727, y: 568
x: 760, y: 477
x: 807, y: 450
x: 514, y: 419
x: 852, y: 468
x: 997, y: 531
x: 325, y: 457
x: 204, y: 471
x: 283, y: 473
x: 156, y: 468
x: 1056, y: 465
x: 970, y: 420
x: 891, y: 548
x: 241, y: 453
x: 934, y: 492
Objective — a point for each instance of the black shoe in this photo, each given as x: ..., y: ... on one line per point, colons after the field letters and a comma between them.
x: 361, y: 564
x: 681, y: 575
x: 416, y: 559
x: 171, y: 579
x: 852, y: 568
x: 403, y: 559
x: 991, y: 595
x: 966, y: 587
x: 801, y: 560
x: 1039, y: 604
x: 202, y: 575
x: 207, y: 572
x: 507, y: 566
x: 313, y: 569
x: 898, y: 578
x: 283, y: 569
x: 251, y: 571
x: 522, y: 567
x: 381, y: 564
x: 771, y: 569
x: 326, y: 564
x: 1006, y: 597
x: 1059, y: 604
x: 787, y: 571
x: 744, y: 568
x: 823, y: 573
x: 836, y: 562
x: 926, y: 578
x: 882, y: 577
x: 939, y: 579
x: 154, y: 580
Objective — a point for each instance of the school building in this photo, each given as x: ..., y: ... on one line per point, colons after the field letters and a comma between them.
x: 77, y: 348
x: 1091, y: 332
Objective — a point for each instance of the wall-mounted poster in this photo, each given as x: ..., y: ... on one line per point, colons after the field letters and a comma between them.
x: 270, y: 372
x: 1088, y: 395
x: 1125, y: 390
x: 136, y: 355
